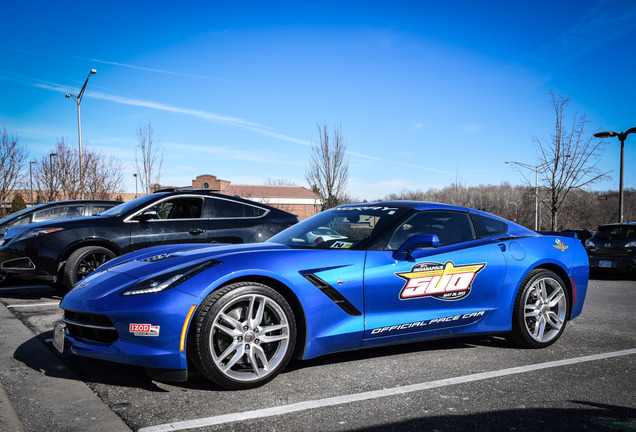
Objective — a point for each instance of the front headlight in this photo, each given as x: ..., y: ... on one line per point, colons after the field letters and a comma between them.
x: 168, y: 280
x: 589, y: 243
x: 36, y: 232
x: 631, y: 244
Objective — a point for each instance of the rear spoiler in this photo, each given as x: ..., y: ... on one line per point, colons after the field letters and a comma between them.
x: 559, y: 233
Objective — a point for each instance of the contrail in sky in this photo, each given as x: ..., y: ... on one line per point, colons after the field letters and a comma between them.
x: 216, y: 118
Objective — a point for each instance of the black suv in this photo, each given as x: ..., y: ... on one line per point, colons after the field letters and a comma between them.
x: 63, y: 252
x: 613, y: 248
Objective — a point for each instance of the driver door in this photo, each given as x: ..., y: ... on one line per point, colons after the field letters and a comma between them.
x: 177, y: 220
x: 442, y: 289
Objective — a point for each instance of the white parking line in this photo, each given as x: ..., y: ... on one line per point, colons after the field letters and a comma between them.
x: 26, y: 305
x: 23, y: 287
x: 357, y: 397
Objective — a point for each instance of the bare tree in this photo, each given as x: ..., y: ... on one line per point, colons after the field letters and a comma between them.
x: 13, y: 156
x: 568, y: 161
x: 57, y: 177
x: 102, y: 175
x: 148, y: 158
x: 46, y: 177
x: 328, y: 169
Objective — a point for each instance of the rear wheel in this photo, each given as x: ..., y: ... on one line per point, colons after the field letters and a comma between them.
x: 540, y: 310
x: 83, y: 262
x: 244, y: 335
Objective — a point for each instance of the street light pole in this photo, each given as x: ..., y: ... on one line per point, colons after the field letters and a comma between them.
x: 135, y: 175
x: 51, y: 156
x: 621, y: 137
x: 78, y: 100
x: 31, y: 178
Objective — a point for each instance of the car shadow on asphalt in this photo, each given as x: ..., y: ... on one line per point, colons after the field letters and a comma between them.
x: 96, y: 371
x: 80, y: 368
x: 454, y: 343
x: 589, y: 416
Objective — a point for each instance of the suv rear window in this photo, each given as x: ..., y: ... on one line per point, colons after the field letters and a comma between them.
x: 616, y: 232
x: 232, y: 209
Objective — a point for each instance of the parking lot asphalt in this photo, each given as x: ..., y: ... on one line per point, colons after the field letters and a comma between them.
x: 45, y: 394
x: 586, y: 381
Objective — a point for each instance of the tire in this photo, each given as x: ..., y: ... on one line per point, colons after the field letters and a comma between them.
x: 244, y: 335
x: 84, y: 261
x: 540, y: 310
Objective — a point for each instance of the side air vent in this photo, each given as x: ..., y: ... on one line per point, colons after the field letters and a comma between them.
x: 333, y: 294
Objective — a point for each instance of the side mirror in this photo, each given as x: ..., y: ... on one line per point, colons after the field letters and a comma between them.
x: 418, y: 241
x: 146, y: 216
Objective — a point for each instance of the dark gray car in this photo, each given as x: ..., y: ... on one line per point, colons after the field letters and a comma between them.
x: 613, y: 249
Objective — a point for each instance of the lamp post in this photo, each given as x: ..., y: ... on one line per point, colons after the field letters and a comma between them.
x: 135, y: 176
x: 78, y: 100
x: 31, y: 178
x: 536, y: 189
x: 621, y: 137
x: 51, y: 156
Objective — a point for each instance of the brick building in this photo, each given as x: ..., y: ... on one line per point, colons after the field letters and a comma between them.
x: 295, y: 199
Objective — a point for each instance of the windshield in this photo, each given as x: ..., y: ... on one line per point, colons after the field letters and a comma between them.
x: 340, y: 228
x: 129, y: 206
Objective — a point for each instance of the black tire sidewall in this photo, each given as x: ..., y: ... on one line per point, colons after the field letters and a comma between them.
x: 70, y: 268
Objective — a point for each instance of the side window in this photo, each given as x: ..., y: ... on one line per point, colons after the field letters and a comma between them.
x: 99, y: 208
x: 232, y: 209
x: 489, y: 227
x: 449, y: 226
x: 59, y: 213
x: 179, y: 208
x: 74, y: 211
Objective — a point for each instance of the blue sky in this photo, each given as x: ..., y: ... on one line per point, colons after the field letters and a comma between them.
x: 426, y: 92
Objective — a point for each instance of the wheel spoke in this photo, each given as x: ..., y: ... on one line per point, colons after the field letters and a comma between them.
x: 554, y: 320
x: 233, y: 331
x: 255, y: 319
x: 555, y: 297
x: 543, y: 293
x: 240, y: 352
x: 258, y: 355
x: 539, y: 328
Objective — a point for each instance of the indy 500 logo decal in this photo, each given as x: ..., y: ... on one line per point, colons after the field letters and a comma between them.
x: 441, y: 281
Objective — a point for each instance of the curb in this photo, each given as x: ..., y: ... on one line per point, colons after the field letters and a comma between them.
x: 39, y: 392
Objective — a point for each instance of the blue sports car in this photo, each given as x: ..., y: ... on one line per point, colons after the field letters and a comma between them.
x: 394, y: 272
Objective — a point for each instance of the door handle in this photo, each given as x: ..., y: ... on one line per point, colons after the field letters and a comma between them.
x: 196, y: 231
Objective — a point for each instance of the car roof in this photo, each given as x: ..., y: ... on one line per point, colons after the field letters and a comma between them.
x: 417, y: 205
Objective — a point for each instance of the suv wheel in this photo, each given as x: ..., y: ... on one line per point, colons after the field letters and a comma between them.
x: 83, y: 262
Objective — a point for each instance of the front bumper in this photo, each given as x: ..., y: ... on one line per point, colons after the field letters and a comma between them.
x: 24, y: 266
x: 146, y: 330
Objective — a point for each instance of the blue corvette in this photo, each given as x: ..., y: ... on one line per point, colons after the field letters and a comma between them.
x: 394, y: 272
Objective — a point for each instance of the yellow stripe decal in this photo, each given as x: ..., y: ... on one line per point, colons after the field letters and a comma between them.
x: 184, y: 331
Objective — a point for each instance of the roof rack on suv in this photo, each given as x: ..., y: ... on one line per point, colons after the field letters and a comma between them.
x: 185, y: 188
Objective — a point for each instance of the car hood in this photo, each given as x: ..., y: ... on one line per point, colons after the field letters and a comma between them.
x: 151, y: 261
x: 58, y: 223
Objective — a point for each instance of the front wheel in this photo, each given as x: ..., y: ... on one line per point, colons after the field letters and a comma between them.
x: 540, y: 310
x: 83, y: 262
x: 244, y: 335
